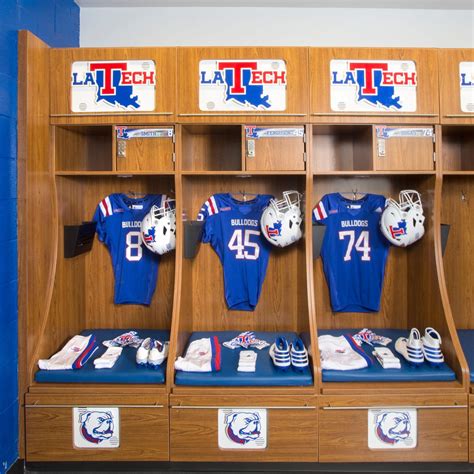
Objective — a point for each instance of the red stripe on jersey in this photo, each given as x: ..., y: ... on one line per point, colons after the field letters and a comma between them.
x: 106, y: 207
x: 211, y: 206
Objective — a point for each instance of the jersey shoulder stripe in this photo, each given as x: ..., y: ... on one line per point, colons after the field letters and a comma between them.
x: 106, y: 207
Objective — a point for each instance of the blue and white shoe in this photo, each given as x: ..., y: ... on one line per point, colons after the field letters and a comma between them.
x: 158, y: 353
x: 299, y: 355
x: 144, y: 351
x: 280, y: 353
x: 432, y: 347
x: 412, y: 348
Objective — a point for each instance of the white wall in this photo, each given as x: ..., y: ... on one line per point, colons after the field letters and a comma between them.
x: 164, y: 26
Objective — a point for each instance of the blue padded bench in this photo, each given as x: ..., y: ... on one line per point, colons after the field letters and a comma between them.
x: 375, y: 373
x: 125, y: 369
x: 466, y: 337
x: 266, y: 375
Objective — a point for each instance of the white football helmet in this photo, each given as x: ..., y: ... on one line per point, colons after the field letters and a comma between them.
x: 281, y: 220
x: 158, y: 228
x: 402, y: 222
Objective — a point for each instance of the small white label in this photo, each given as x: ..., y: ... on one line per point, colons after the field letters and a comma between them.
x: 96, y: 428
x: 381, y: 146
x: 252, y: 131
x: 392, y: 428
x: 242, y: 428
x: 382, y: 131
x: 137, y: 206
x: 466, y: 84
x: 124, y: 133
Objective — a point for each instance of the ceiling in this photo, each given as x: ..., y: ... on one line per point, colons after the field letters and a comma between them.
x: 397, y: 4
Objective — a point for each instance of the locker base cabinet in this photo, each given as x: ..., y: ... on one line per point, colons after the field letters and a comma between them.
x: 405, y: 428
x: 243, y: 428
x: 100, y: 426
x: 471, y: 428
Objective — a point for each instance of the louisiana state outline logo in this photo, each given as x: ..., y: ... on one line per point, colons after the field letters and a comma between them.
x: 111, y: 86
x: 373, y: 86
x: 239, y: 85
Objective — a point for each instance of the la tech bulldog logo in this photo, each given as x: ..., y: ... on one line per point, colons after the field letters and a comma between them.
x: 111, y: 86
x: 373, y: 86
x: 240, y: 85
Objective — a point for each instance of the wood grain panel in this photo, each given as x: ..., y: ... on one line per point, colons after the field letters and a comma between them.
x: 276, y: 153
x: 165, y: 93
x: 277, y: 309
x: 297, y: 78
x: 193, y: 432
x: 423, y: 278
x: 458, y: 148
x: 427, y: 89
x: 393, y: 308
x: 37, y: 213
x: 458, y: 260
x: 471, y: 428
x: 404, y: 153
x: 342, y: 148
x: 442, y: 433
x: 216, y: 148
x: 83, y: 148
x: 50, y: 436
x: 146, y: 154
x: 449, y: 85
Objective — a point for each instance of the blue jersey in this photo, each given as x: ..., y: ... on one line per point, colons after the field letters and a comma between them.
x: 354, y: 250
x: 233, y: 229
x: 135, y: 267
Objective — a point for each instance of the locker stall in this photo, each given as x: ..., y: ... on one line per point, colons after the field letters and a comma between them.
x: 411, y: 297
x: 457, y: 149
x: 69, y: 169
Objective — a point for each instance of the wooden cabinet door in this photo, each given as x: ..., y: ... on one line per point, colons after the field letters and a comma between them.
x: 143, y: 427
x: 133, y: 102
x: 368, y: 85
x: 233, y: 82
x: 144, y: 148
x: 403, y: 148
x: 442, y: 429
x: 274, y: 148
x: 456, y: 82
x: 292, y: 429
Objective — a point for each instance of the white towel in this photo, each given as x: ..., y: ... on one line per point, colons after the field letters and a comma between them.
x: 108, y: 359
x: 202, y: 355
x: 342, y: 353
x: 73, y: 355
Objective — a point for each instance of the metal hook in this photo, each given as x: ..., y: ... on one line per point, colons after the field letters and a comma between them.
x: 463, y: 196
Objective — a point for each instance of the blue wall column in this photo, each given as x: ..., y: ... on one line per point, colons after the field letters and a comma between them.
x: 57, y: 23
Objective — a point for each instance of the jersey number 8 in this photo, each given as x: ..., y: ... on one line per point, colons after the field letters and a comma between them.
x: 134, y: 250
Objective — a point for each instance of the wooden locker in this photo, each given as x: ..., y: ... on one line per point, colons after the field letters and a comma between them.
x: 296, y: 63
x: 403, y: 148
x: 165, y: 85
x: 144, y: 148
x: 274, y: 148
x: 454, y: 80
